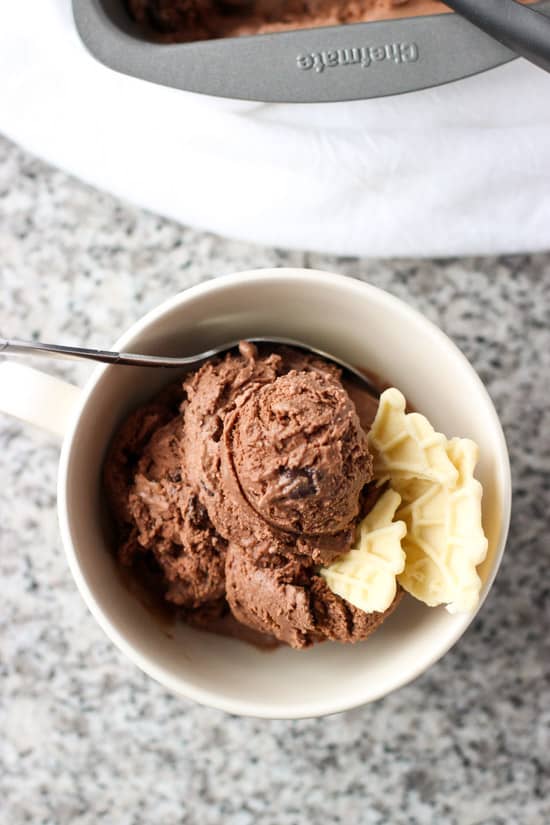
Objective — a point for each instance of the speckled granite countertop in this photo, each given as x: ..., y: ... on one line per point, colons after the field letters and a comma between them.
x: 86, y: 738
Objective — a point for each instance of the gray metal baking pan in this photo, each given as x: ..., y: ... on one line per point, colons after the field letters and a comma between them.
x: 351, y: 62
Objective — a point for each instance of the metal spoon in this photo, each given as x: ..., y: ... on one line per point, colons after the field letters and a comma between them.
x: 522, y: 28
x: 15, y: 346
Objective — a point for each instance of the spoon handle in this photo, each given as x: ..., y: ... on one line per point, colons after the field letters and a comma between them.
x: 15, y: 346
x: 523, y: 29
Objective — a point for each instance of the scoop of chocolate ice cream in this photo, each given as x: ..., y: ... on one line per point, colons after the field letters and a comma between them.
x: 157, y: 510
x: 299, y: 453
x: 275, y: 445
x: 284, y: 597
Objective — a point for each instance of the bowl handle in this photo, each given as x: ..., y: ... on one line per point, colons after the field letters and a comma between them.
x: 37, y: 398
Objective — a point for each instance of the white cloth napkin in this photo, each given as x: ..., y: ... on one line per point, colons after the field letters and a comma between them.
x: 460, y: 169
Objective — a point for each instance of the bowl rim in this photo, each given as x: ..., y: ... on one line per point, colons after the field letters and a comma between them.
x: 178, y: 685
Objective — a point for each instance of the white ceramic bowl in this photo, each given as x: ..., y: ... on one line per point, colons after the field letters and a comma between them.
x: 361, y: 324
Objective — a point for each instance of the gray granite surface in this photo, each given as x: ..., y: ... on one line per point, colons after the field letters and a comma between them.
x: 87, y: 738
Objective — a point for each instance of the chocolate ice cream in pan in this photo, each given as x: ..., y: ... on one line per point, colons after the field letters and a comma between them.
x: 180, y: 21
x: 252, y: 493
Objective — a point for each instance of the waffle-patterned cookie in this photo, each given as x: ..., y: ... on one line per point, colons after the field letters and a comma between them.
x: 406, y: 447
x: 445, y: 541
x: 365, y: 576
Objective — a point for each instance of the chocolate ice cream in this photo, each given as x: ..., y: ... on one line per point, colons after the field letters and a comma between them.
x: 186, y: 20
x: 157, y: 512
x: 238, y: 484
x: 299, y: 453
x: 285, y: 597
x: 284, y: 439
x: 182, y: 21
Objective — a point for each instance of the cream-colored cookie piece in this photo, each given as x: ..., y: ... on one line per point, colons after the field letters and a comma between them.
x: 406, y: 447
x: 365, y: 576
x: 445, y: 541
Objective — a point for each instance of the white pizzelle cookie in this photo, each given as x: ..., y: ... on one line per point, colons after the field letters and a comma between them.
x: 406, y: 447
x: 365, y: 576
x: 445, y: 542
